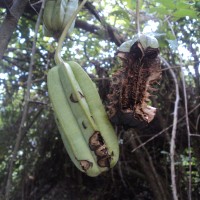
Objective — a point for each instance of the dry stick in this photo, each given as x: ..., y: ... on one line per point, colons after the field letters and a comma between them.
x: 188, y: 135
x: 178, y: 67
x: 197, y: 123
x: 173, y: 137
x: 187, y: 120
x: 194, y: 135
x: 25, y: 111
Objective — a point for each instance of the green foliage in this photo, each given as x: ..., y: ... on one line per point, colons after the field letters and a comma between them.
x: 174, y: 8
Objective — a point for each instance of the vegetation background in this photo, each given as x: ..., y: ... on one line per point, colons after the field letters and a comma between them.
x: 160, y: 162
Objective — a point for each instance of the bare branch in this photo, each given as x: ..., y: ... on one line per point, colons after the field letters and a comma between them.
x: 187, y: 119
x: 188, y: 134
x: 25, y: 111
x: 161, y: 132
x: 173, y: 137
x: 195, y: 135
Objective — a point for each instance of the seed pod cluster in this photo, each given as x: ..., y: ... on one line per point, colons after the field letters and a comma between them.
x: 133, y: 85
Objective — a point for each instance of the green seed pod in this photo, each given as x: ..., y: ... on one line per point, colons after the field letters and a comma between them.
x: 86, y: 131
x: 56, y: 16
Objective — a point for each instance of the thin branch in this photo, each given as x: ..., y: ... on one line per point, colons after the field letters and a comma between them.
x: 25, y: 111
x: 194, y: 135
x: 38, y: 102
x: 197, y: 123
x: 161, y: 132
x: 150, y: 139
x: 173, y: 137
x: 188, y: 134
x: 121, y: 174
x: 187, y: 119
x: 178, y: 67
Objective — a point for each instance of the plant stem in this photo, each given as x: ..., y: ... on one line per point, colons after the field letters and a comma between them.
x: 57, y: 57
x: 138, y: 16
x: 173, y: 137
x: 25, y: 110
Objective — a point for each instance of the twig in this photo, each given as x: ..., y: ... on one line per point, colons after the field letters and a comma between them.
x: 187, y: 120
x: 178, y: 67
x: 35, y: 81
x: 150, y: 139
x: 121, y: 174
x: 38, y: 102
x: 195, y: 135
x: 25, y: 111
x: 173, y: 137
x: 188, y: 134
x: 197, y: 123
x: 161, y: 132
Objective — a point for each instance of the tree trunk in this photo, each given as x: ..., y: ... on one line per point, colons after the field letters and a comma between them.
x: 10, y: 23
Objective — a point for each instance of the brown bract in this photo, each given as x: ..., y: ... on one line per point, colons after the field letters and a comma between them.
x: 133, y: 85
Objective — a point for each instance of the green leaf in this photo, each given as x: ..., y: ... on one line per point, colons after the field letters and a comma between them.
x: 161, y: 10
x: 168, y: 3
x: 121, y: 14
x: 180, y: 13
x: 131, y: 4
x: 182, y: 5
